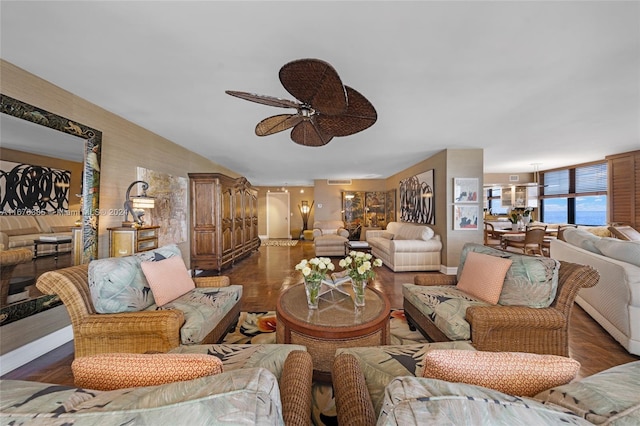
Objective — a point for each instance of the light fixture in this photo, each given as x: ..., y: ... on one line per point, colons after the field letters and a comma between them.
x: 305, y: 210
x: 136, y: 204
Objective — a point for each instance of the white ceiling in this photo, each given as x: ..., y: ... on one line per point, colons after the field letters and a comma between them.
x: 550, y: 82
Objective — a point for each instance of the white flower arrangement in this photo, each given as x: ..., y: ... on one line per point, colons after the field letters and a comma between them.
x: 359, y: 265
x: 315, y: 268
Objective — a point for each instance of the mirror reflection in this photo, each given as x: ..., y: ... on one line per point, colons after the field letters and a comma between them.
x: 49, y: 188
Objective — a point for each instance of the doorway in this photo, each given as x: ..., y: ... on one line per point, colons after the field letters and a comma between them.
x: 278, y: 224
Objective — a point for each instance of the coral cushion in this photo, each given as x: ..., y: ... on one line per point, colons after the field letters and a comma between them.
x: 121, y: 370
x: 168, y: 279
x: 483, y: 276
x: 515, y: 373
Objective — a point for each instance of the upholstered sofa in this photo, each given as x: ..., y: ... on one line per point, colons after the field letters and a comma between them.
x: 406, y: 247
x: 329, y: 237
x: 615, y: 302
x: 529, y: 310
x: 113, y: 306
x: 269, y: 385
x: 384, y: 385
x: 20, y: 231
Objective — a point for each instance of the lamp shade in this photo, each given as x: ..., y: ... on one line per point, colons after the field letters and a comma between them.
x: 143, y: 202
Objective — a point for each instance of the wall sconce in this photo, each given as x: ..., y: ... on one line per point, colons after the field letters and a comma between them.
x: 305, y: 210
x: 135, y: 204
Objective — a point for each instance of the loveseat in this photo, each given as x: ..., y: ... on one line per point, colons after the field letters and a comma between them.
x: 379, y: 385
x: 615, y: 301
x: 114, y: 307
x: 406, y: 247
x: 275, y: 391
x: 20, y: 231
x: 499, y: 300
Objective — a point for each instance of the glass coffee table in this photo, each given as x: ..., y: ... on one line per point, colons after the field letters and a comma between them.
x: 337, y: 323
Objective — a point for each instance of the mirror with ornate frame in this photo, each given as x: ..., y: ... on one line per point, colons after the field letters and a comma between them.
x: 90, y: 193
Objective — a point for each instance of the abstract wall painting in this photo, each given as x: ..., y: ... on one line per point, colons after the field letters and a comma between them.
x: 170, y: 210
x: 27, y: 189
x: 465, y: 218
x: 417, y: 199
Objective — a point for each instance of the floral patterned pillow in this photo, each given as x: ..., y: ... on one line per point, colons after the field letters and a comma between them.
x: 117, y: 284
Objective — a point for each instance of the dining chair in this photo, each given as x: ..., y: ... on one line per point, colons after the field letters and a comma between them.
x: 530, y: 243
x: 491, y: 239
x: 546, y: 243
x: 562, y: 228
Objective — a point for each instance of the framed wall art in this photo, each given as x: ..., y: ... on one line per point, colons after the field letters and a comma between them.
x: 465, y: 218
x: 417, y: 199
x: 465, y: 190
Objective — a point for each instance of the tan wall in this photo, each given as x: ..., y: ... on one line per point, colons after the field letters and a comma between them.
x: 126, y: 146
x: 40, y: 160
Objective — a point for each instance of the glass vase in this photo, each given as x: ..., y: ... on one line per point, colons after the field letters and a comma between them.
x: 359, y: 287
x: 312, y: 288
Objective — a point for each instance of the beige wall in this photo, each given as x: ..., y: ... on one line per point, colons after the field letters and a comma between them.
x: 125, y: 145
x: 40, y: 160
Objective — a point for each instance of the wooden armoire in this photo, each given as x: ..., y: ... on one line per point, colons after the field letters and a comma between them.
x: 224, y: 220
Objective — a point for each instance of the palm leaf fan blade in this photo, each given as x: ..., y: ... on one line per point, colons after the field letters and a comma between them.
x: 308, y: 134
x: 263, y: 99
x: 360, y: 115
x: 315, y: 83
x: 277, y: 123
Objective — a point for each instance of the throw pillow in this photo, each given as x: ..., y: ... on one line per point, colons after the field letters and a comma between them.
x: 427, y: 233
x: 483, y: 276
x: 583, y: 239
x: 168, y: 279
x: 117, y: 284
x: 121, y: 370
x: 624, y: 251
x: 530, y: 281
x: 515, y: 373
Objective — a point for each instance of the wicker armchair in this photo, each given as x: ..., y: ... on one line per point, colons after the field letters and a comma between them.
x: 9, y: 259
x: 134, y: 332
x: 514, y: 328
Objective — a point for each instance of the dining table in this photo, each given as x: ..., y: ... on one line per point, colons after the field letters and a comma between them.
x: 505, y: 234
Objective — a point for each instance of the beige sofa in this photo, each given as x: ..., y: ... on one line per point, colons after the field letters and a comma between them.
x: 20, y: 231
x: 406, y: 247
x: 615, y: 301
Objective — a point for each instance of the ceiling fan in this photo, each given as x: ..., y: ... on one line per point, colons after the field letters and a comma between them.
x: 325, y: 108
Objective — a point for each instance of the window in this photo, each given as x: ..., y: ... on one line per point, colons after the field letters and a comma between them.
x: 576, y: 194
x: 494, y: 202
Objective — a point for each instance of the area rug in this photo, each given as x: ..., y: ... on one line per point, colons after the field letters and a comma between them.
x: 280, y: 243
x: 260, y: 327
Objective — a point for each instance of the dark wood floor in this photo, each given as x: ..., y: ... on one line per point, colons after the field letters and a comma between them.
x: 266, y: 273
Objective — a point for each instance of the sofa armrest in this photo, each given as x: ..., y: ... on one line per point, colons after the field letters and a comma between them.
x: 518, y: 329
x: 295, y: 388
x: 134, y: 332
x: 221, y: 281
x: 343, y: 232
x: 317, y: 232
x: 353, y: 402
x: 435, y: 279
